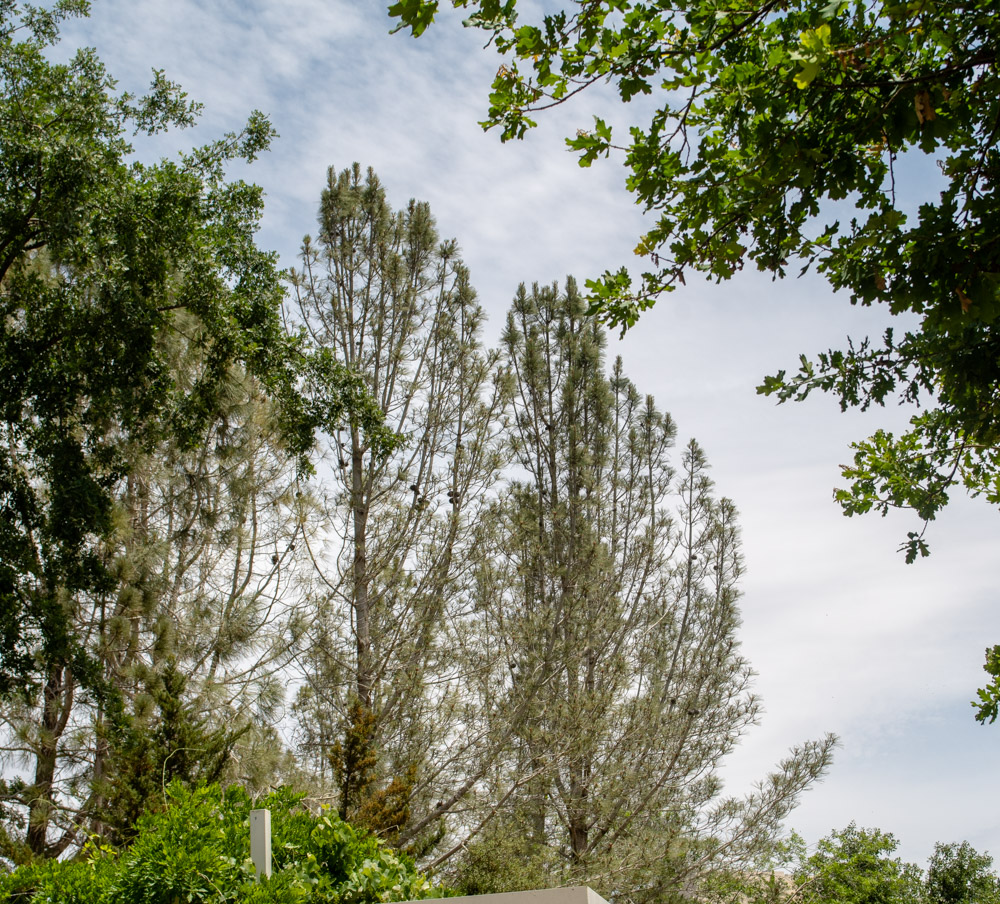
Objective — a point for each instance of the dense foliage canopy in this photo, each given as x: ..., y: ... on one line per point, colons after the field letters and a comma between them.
x: 857, y: 866
x: 195, y: 846
x: 102, y: 259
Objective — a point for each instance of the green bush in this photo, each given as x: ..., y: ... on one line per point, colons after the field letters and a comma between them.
x: 196, y: 850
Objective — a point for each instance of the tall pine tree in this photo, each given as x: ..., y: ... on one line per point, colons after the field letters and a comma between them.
x: 393, y: 533
x: 610, y: 584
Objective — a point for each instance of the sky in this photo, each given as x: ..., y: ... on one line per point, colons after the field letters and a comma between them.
x: 844, y: 636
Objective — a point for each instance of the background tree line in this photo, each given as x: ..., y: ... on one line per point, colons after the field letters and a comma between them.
x: 856, y: 866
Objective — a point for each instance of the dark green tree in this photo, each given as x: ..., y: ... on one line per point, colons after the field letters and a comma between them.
x: 959, y: 874
x: 856, y: 866
x: 103, y: 260
x: 145, y: 754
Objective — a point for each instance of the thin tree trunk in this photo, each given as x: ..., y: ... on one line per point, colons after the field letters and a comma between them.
x: 362, y: 612
x: 58, y: 701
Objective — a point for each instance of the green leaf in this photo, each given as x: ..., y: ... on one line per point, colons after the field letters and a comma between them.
x: 415, y: 14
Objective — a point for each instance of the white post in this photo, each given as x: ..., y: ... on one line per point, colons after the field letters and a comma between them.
x: 260, y: 841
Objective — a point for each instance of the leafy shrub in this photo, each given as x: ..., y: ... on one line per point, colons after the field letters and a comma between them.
x: 196, y: 850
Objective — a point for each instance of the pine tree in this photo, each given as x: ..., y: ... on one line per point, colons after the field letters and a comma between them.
x: 196, y: 619
x: 393, y: 533
x: 143, y: 755
x: 611, y: 584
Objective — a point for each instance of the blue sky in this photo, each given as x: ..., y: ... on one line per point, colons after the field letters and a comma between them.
x: 844, y: 636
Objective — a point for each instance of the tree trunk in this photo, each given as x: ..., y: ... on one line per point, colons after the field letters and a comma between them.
x: 58, y: 701
x: 362, y: 613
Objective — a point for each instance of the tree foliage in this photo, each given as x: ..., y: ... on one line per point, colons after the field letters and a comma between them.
x: 989, y: 697
x: 198, y: 615
x: 856, y: 137
x: 196, y: 847
x: 155, y: 410
x: 602, y: 634
x: 391, y: 535
x: 855, y: 866
x: 101, y: 258
x: 144, y: 754
x: 803, y: 132
x: 172, y: 539
x: 959, y: 874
